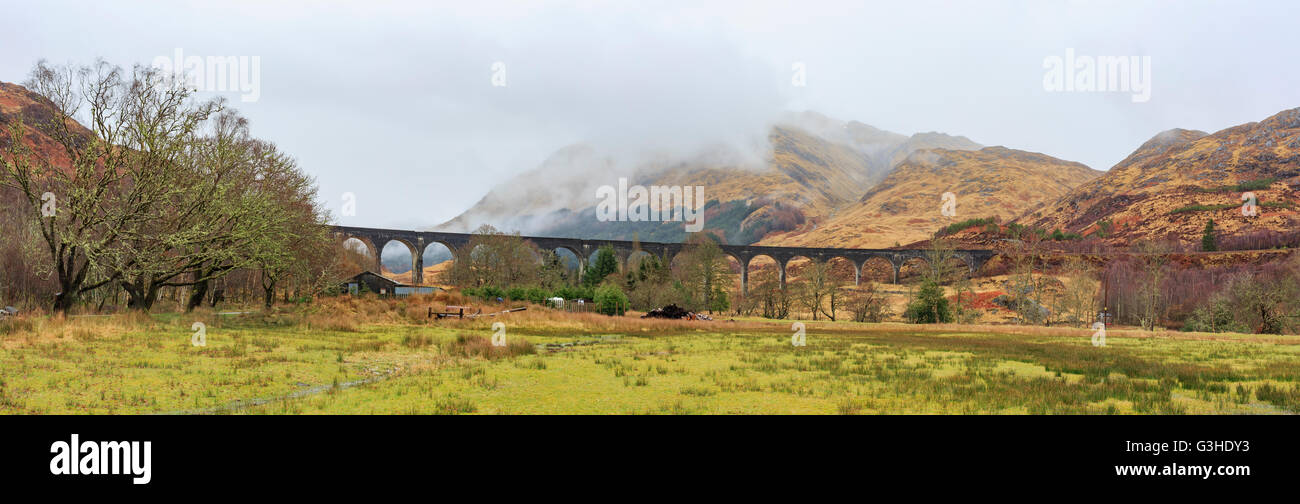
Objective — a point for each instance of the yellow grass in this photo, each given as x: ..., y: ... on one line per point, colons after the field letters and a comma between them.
x: 350, y: 355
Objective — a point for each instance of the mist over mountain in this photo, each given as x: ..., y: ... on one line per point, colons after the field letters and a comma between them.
x: 807, y: 167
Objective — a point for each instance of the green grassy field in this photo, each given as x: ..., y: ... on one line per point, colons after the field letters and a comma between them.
x: 291, y: 363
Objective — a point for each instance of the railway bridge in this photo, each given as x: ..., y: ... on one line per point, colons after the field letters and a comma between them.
x: 416, y: 241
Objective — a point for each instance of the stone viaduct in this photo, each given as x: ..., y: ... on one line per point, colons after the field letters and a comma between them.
x: 416, y: 241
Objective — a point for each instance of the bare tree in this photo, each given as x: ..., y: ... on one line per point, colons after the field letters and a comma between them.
x: 1027, y: 300
x: 938, y: 258
x: 817, y: 288
x: 774, y: 300
x: 1153, y: 257
x: 1079, y: 297
x: 705, y: 274
x: 963, y: 309
x: 494, y: 258
x: 867, y: 304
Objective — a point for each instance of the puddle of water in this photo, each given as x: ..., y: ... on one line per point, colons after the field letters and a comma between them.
x: 241, y: 404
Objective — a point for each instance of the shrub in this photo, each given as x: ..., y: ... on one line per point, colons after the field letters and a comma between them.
x: 489, y: 292
x: 1215, y: 316
x: 576, y: 293
x: 536, y: 295
x: 1249, y: 185
x: 1105, y: 228
x: 966, y: 224
x: 929, y: 306
x: 1202, y: 208
x: 610, y: 300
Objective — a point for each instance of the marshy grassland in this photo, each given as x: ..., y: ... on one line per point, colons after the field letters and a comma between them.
x: 369, y: 356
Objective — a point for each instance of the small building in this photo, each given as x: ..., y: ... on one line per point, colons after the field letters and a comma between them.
x: 369, y: 281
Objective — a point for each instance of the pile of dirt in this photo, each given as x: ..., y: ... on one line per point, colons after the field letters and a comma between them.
x: 671, y: 311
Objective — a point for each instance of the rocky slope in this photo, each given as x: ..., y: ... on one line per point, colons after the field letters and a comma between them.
x: 905, y: 207
x: 1177, y: 181
x: 18, y: 103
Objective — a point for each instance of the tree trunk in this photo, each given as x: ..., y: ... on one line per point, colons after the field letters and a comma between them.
x: 268, y: 291
x: 200, y: 291
x: 141, y: 295
x: 70, y: 281
x: 65, y: 299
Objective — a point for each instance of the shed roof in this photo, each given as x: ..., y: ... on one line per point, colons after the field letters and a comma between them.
x: 358, y: 277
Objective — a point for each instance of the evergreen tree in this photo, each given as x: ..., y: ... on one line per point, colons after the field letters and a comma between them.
x: 605, y: 265
x: 930, y: 306
x: 1208, y: 242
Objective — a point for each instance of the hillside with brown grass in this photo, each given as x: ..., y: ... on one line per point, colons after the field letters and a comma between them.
x: 18, y: 103
x: 1180, y: 179
x: 905, y: 206
x: 432, y: 275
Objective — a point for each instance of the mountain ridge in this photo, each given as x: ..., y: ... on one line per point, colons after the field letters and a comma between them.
x: 906, y: 206
x: 1174, y: 183
x: 815, y: 166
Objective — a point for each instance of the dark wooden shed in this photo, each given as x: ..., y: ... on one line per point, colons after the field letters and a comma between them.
x: 369, y: 281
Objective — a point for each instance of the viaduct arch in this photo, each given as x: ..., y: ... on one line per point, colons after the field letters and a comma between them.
x: 375, y: 239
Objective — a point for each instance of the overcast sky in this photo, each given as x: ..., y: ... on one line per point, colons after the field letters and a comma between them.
x: 395, y: 102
